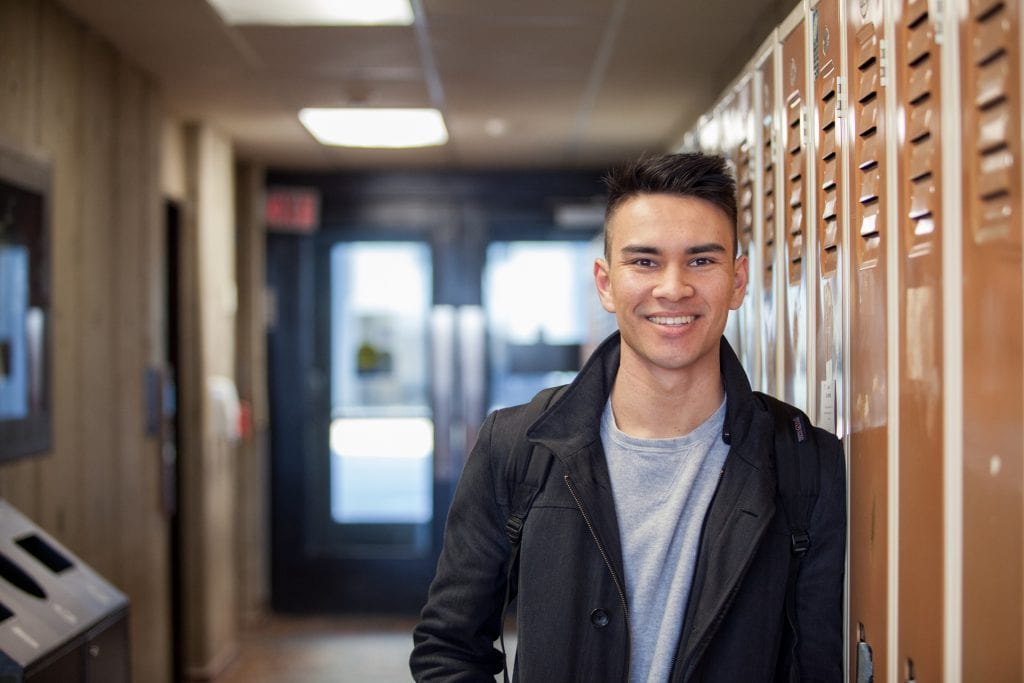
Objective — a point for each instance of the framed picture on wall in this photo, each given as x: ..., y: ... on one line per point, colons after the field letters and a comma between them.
x: 25, y: 313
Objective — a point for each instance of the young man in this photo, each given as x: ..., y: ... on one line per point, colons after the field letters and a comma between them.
x: 656, y: 548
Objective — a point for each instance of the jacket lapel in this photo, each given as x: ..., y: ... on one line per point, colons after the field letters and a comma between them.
x: 591, y: 485
x: 738, y: 517
x: 740, y: 513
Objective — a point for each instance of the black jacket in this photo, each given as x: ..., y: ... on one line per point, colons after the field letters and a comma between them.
x: 572, y: 610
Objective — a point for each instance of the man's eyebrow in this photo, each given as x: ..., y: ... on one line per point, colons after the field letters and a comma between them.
x: 707, y: 248
x: 630, y: 249
x: 710, y: 247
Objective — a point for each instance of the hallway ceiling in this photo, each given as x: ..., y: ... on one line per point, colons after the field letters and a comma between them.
x: 573, y: 83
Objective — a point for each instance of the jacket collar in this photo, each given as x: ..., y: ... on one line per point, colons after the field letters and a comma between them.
x: 573, y: 421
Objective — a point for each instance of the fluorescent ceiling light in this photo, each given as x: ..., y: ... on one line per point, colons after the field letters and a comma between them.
x: 316, y: 12
x: 389, y: 128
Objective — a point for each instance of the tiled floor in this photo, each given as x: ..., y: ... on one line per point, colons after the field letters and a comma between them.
x: 326, y: 650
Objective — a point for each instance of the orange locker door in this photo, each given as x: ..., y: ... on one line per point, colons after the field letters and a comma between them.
x: 830, y: 222
x: 992, y: 352
x: 744, y: 152
x: 916, y: 60
x: 869, y: 457
x: 765, y: 71
x: 794, y: 196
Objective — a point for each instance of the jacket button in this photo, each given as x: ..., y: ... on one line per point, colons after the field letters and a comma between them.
x: 599, y: 618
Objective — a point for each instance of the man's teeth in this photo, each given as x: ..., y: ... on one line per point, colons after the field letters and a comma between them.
x: 678, y: 320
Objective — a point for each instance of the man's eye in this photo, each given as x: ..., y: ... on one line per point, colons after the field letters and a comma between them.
x: 702, y: 261
x: 645, y: 262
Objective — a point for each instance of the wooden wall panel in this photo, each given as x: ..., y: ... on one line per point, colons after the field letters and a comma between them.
x: 830, y: 214
x: 770, y: 212
x: 868, y: 355
x: 70, y: 98
x: 19, y: 27
x: 993, y: 560
x: 253, y: 515
x: 794, y: 198
x: 208, y: 454
x: 916, y: 62
x: 155, y: 635
x: 140, y: 514
x: 130, y: 421
x: 97, y: 389
x: 60, y: 43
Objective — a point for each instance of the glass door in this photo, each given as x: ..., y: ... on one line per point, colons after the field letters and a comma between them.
x: 381, y: 431
x: 357, y: 513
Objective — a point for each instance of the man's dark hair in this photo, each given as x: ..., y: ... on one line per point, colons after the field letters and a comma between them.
x: 697, y: 175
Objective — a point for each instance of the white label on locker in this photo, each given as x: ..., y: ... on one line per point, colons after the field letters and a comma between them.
x: 827, y: 406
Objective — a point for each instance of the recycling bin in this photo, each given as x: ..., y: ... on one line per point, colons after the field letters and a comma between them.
x: 60, y: 621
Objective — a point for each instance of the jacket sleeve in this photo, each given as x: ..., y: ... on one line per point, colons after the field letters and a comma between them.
x: 819, y: 592
x: 454, y: 640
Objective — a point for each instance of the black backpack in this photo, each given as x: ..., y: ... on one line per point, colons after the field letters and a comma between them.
x: 798, y: 479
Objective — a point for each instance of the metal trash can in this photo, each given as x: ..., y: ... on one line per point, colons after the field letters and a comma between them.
x: 60, y: 622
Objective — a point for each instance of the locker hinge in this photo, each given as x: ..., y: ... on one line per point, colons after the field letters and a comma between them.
x: 840, y: 98
x: 803, y: 127
x: 883, y: 63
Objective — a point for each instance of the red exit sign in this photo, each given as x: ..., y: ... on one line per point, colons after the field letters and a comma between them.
x: 293, y: 209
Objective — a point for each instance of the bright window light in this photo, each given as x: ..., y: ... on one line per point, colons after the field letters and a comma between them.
x: 316, y: 12
x: 390, y: 128
x: 383, y: 437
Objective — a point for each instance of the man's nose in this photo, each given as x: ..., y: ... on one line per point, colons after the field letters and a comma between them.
x: 673, y: 284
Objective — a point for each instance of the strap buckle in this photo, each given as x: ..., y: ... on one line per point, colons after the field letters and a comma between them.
x: 799, y: 541
x: 514, y: 528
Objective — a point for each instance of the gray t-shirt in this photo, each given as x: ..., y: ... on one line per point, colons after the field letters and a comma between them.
x: 662, y: 490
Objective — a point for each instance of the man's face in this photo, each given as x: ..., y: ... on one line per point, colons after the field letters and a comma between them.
x: 671, y: 279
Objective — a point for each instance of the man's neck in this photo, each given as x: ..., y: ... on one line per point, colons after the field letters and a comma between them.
x: 664, y: 404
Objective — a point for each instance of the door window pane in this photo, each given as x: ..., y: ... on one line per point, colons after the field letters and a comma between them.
x: 381, y: 433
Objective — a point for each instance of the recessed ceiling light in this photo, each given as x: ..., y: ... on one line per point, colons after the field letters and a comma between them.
x: 316, y: 12
x: 380, y: 128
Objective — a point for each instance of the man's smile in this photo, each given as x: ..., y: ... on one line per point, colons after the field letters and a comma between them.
x: 672, y: 320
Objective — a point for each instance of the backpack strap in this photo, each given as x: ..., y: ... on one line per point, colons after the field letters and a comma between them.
x: 795, y: 455
x: 536, y: 463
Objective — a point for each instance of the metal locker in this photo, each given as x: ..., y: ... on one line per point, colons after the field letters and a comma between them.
x: 916, y: 65
x: 795, y: 202
x: 868, y: 352
x: 993, y: 410
x: 765, y: 77
x: 743, y: 151
x: 830, y: 217
x: 718, y: 137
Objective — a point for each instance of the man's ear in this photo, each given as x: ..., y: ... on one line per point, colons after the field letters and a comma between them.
x: 602, y: 281
x: 741, y: 275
